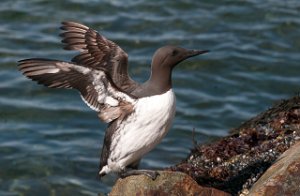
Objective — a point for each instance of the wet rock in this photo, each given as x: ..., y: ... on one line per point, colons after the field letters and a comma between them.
x: 282, y: 178
x: 235, y: 163
x: 167, y: 183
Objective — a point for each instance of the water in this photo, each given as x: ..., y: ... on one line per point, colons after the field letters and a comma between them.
x: 50, y: 140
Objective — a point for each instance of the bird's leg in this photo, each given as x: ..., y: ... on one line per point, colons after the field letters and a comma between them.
x: 150, y: 173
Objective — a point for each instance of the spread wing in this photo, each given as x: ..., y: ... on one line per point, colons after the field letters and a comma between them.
x: 97, y: 52
x: 95, y: 86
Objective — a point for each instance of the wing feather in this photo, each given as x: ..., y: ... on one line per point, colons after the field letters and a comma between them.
x: 95, y: 86
x: 97, y: 52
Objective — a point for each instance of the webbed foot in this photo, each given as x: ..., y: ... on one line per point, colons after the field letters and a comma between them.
x: 150, y: 173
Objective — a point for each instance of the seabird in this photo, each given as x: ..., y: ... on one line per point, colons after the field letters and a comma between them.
x: 138, y: 115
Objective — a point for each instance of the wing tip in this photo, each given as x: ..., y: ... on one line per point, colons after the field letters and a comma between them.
x: 34, y: 60
x: 66, y: 24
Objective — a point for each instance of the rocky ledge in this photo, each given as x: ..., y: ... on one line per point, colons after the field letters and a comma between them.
x: 234, y: 163
x: 167, y: 183
x: 283, y: 177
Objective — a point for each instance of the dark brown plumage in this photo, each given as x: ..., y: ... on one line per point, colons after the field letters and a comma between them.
x: 98, y: 52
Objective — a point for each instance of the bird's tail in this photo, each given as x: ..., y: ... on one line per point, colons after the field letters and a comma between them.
x: 105, y: 170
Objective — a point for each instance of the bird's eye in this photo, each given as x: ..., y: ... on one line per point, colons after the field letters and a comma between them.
x: 174, y: 52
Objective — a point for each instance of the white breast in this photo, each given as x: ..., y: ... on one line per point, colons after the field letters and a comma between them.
x: 142, y: 130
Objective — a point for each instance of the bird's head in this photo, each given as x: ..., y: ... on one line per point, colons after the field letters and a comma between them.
x: 170, y: 56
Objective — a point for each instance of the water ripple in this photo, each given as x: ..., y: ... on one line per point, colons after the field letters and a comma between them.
x: 50, y: 141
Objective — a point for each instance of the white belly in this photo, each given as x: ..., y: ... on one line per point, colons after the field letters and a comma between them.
x: 142, y: 130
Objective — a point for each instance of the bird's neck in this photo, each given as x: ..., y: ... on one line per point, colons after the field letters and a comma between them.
x: 161, y: 78
x: 158, y: 83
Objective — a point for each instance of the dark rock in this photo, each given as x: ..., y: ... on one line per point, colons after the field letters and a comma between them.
x: 236, y: 162
x: 167, y: 183
x: 282, y: 178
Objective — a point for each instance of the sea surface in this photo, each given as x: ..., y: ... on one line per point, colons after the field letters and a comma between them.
x: 50, y: 141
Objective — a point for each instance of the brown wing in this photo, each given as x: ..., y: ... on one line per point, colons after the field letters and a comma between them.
x: 97, y: 52
x: 96, y: 88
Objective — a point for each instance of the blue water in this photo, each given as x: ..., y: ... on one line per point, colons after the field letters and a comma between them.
x: 50, y: 140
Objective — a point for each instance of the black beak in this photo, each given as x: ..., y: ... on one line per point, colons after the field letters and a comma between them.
x: 192, y: 53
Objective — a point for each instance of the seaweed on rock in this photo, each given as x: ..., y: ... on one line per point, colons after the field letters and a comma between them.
x: 235, y: 162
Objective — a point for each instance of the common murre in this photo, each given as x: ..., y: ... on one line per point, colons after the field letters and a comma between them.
x: 138, y: 115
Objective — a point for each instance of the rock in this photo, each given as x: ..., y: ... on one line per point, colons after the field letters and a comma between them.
x: 282, y: 178
x: 236, y: 162
x: 167, y: 183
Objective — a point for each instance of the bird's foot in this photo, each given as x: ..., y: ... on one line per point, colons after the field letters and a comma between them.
x: 150, y: 173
